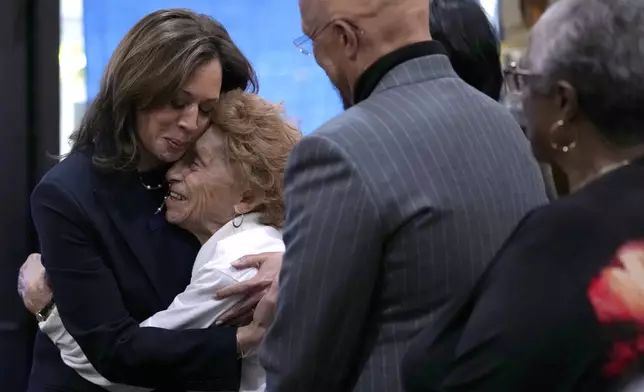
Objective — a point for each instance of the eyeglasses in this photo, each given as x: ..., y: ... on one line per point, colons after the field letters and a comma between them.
x: 305, y: 44
x: 516, y: 78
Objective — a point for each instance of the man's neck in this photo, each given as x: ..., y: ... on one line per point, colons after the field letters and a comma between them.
x: 383, y: 47
x: 371, y: 76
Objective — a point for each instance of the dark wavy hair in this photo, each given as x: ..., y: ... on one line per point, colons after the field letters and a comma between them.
x: 154, y: 59
x: 471, y: 42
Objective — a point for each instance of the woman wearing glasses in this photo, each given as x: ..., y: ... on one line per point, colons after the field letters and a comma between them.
x: 561, y: 307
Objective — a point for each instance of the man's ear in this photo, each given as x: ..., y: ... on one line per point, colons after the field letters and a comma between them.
x: 349, y: 38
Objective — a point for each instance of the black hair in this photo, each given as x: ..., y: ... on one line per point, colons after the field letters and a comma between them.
x: 471, y: 41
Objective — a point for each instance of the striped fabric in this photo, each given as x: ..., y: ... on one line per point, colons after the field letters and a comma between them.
x: 394, y: 208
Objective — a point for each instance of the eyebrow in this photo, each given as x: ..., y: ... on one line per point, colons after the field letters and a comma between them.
x: 191, y: 95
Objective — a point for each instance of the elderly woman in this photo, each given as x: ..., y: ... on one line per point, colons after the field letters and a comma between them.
x: 562, y: 306
x: 112, y: 261
x: 228, y: 192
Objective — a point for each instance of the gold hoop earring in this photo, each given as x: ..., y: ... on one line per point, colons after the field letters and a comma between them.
x: 554, y: 145
x: 241, y: 220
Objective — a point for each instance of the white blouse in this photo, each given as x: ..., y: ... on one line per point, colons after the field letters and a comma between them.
x: 196, y: 307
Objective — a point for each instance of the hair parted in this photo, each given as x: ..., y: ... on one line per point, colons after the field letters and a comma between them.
x: 258, y: 139
x: 154, y: 59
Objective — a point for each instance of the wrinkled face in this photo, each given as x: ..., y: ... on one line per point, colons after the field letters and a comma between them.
x: 327, y: 45
x: 168, y: 132
x: 203, y: 186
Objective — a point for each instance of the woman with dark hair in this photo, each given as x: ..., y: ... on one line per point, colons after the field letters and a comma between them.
x: 111, y: 259
x: 561, y: 306
x: 228, y: 191
x: 471, y: 42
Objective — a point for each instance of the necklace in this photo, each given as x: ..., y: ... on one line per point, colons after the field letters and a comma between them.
x: 162, y: 203
x: 151, y: 187
x: 604, y: 170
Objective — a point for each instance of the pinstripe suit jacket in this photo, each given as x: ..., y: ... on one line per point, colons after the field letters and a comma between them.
x: 393, y: 209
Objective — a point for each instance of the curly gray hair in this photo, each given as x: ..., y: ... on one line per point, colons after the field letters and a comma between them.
x: 598, y: 47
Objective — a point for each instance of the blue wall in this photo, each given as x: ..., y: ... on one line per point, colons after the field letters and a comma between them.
x: 263, y: 29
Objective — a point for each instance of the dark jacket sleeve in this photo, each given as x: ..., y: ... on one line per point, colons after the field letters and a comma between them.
x: 89, y: 301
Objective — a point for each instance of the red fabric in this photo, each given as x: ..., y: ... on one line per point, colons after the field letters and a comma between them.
x: 617, y: 296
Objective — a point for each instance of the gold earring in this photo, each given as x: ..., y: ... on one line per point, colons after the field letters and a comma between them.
x: 554, y: 145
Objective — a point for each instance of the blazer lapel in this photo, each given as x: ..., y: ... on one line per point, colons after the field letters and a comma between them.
x: 136, y: 227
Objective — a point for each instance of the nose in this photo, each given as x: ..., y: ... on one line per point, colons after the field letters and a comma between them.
x: 177, y: 172
x: 189, y: 119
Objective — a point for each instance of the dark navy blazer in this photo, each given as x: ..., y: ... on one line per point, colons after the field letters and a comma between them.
x: 112, y: 262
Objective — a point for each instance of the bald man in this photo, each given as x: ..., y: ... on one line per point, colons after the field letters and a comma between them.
x: 394, y: 207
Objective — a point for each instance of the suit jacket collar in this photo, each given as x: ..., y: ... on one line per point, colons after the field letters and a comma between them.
x: 416, y: 71
x: 395, y: 62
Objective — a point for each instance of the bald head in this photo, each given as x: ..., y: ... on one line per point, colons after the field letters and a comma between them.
x: 382, y: 21
x: 350, y: 35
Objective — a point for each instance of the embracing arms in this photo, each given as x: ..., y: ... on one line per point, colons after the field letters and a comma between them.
x: 89, y: 303
x: 196, y: 307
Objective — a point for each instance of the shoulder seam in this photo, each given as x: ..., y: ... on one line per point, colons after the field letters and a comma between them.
x: 367, y: 186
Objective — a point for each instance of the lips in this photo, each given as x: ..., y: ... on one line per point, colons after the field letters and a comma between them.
x: 175, y: 144
x: 176, y: 196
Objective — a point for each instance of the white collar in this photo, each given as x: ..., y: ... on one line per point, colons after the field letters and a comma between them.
x: 234, y: 226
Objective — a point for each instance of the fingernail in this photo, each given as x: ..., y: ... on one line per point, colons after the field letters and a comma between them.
x: 218, y: 322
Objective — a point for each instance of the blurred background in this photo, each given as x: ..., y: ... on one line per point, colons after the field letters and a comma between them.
x: 52, y: 54
x: 263, y: 29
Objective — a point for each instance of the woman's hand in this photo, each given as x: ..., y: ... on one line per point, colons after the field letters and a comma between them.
x: 253, y: 290
x: 32, y: 284
x: 250, y: 336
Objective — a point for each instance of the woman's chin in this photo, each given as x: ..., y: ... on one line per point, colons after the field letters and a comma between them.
x: 169, y: 155
x: 173, y: 216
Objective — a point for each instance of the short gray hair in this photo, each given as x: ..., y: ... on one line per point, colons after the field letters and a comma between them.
x: 598, y: 47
